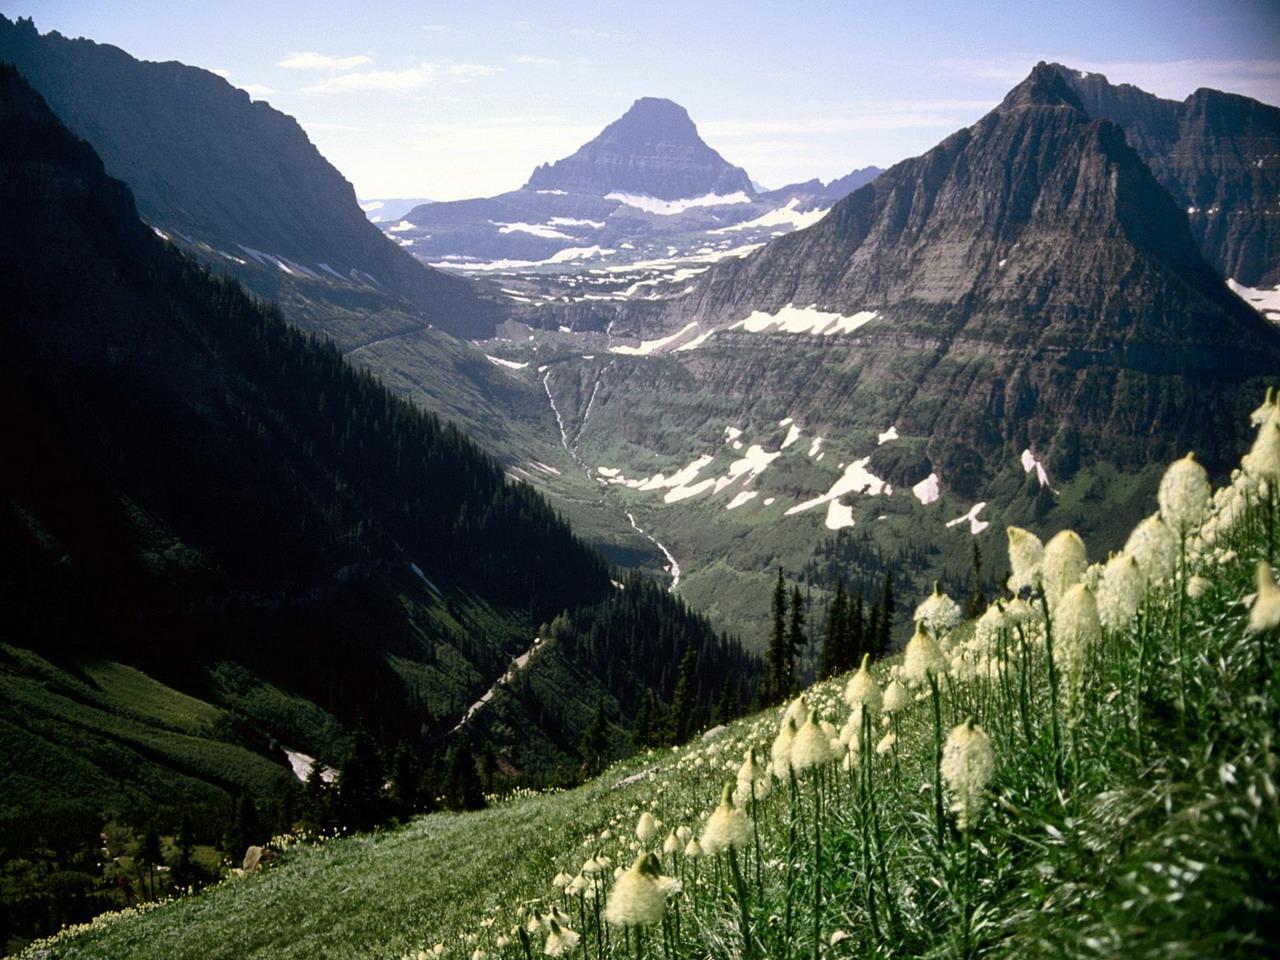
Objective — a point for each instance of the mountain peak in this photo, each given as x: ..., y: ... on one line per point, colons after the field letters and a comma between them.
x: 1045, y: 86
x: 653, y: 149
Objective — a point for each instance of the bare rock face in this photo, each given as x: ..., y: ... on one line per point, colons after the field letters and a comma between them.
x: 1033, y: 284
x: 651, y: 150
x: 255, y: 857
x: 1217, y: 154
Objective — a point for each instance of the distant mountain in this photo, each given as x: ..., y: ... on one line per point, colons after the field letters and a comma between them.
x: 652, y: 150
x: 815, y: 194
x: 236, y: 183
x: 389, y: 209
x: 1075, y: 285
x: 1218, y: 155
x: 202, y: 492
x: 646, y: 187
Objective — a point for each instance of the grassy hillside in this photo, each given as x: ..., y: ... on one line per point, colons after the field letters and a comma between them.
x: 1116, y: 798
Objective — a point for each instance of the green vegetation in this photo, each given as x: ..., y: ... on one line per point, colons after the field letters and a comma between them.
x: 1086, y: 770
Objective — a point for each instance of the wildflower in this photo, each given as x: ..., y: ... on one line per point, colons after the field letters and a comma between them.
x: 922, y: 659
x: 1063, y: 565
x: 1076, y: 628
x: 896, y: 697
x: 693, y: 849
x: 1154, y: 546
x: 561, y: 941
x: 577, y: 885
x: 1025, y: 553
x: 728, y: 828
x: 671, y: 844
x: 561, y: 880
x: 938, y: 612
x: 1268, y: 411
x: 967, y: 765
x: 811, y: 747
x: 636, y: 898
x: 646, y: 828
x: 683, y: 833
x: 1119, y: 591
x: 797, y: 711
x: 1184, y: 494
x: 753, y: 779
x: 780, y: 752
x: 862, y: 689
x: 887, y: 743
x: 596, y: 865
x: 670, y: 886
x: 1265, y: 613
x: 1197, y: 587
x: 1263, y: 459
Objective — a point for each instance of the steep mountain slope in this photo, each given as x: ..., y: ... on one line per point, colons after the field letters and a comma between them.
x: 1005, y: 328
x: 203, y: 492
x: 1218, y: 155
x: 237, y: 183
x: 652, y: 150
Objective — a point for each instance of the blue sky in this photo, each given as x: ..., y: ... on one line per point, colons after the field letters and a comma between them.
x: 449, y: 100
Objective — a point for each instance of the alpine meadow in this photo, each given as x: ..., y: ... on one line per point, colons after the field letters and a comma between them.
x: 650, y: 482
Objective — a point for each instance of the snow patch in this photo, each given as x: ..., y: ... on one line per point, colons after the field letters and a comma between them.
x: 927, y: 490
x: 793, y: 434
x: 575, y: 222
x: 742, y: 498
x: 816, y: 447
x: 976, y: 526
x: 1029, y: 463
x: 810, y: 320
x: 668, y: 208
x: 787, y: 216
x: 839, y: 516
x: 509, y: 364
x: 534, y: 229
x: 650, y: 346
x: 1266, y: 302
x: 301, y: 764
x: 401, y: 227
x: 856, y: 479
x: 890, y: 434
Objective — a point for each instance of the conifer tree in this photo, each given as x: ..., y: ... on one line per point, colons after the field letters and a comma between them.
x: 463, y: 790
x: 797, y: 640
x: 595, y: 741
x: 857, y: 633
x: 977, y: 602
x: 777, y: 681
x: 884, y: 636
x: 360, y: 782
x: 684, y: 702
x: 727, y: 705
x: 834, y: 641
x: 149, y: 856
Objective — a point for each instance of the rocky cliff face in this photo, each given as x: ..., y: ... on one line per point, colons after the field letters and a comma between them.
x: 1032, y: 285
x: 652, y: 150
x: 234, y: 181
x: 1217, y: 154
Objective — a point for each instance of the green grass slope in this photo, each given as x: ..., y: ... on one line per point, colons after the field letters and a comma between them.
x: 1120, y: 801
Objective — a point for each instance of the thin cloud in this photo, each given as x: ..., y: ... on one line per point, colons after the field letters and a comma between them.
x: 858, y: 117
x: 539, y: 61
x: 257, y: 90
x: 310, y: 60
x: 436, y: 28
x: 424, y: 76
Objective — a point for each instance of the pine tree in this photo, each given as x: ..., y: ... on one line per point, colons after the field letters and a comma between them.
x: 727, y: 705
x: 777, y: 684
x: 644, y: 726
x: 884, y: 637
x: 871, y: 645
x: 857, y: 633
x: 797, y: 640
x: 463, y: 790
x: 834, y: 640
x: 406, y: 780
x: 594, y: 746
x: 360, y: 780
x: 685, y: 701
x: 149, y: 856
x: 246, y: 829
x: 977, y: 602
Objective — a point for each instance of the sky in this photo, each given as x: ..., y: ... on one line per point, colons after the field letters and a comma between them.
x: 462, y: 99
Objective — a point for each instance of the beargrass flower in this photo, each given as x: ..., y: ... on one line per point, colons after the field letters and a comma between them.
x: 968, y: 763
x: 728, y: 828
x: 1120, y: 591
x: 862, y: 689
x: 1077, y: 628
x: 693, y: 849
x: 896, y: 697
x: 938, y: 612
x: 671, y: 844
x: 922, y: 659
x: 646, y: 828
x: 811, y: 747
x: 1063, y: 565
x: 1265, y: 612
x: 1025, y: 553
x: 1155, y: 548
x: 780, y: 751
x: 561, y: 941
x: 1184, y: 495
x: 1263, y: 459
x: 636, y: 899
x: 1197, y: 586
